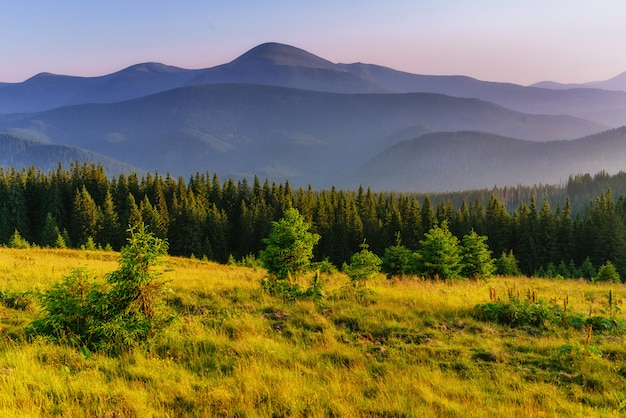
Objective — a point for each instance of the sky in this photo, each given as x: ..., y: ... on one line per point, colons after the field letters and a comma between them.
x: 527, y: 41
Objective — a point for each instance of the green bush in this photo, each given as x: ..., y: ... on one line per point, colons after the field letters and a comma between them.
x: 122, y: 312
x: 608, y: 273
x: 517, y: 313
x: 288, y: 252
x: 506, y: 265
x: 16, y: 300
x: 538, y: 313
x: 398, y: 260
x: 439, y: 256
x: 363, y: 266
x: 18, y: 242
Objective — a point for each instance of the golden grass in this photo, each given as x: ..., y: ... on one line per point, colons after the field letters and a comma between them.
x: 411, y: 348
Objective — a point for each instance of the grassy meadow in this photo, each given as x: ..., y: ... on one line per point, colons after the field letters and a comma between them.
x: 407, y: 348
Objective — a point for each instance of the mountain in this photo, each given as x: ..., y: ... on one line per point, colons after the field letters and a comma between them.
x: 48, y: 91
x: 276, y: 132
x: 287, y: 66
x: 447, y: 161
x: 605, y: 107
x: 18, y: 153
x: 616, y: 83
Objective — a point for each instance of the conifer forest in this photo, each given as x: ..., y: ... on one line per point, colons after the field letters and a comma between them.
x: 567, y: 230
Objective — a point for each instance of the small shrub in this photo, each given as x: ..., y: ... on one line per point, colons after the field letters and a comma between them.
x: 363, y: 266
x: 89, y: 245
x: 288, y: 252
x: 15, y: 300
x: 113, y: 316
x: 538, y: 313
x: 608, y: 273
x: 517, y: 313
x: 250, y: 261
x: 70, y: 310
x: 324, y: 267
x: 398, y: 260
x: 506, y: 265
x: 18, y: 242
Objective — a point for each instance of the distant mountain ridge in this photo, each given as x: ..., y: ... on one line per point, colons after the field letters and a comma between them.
x: 616, y: 83
x: 287, y: 66
x: 47, y: 91
x: 283, y: 113
x: 18, y: 153
x: 282, y: 133
x: 445, y: 161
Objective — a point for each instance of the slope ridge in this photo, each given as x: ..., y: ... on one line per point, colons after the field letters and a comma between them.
x: 447, y: 161
x: 288, y: 66
x: 306, y: 136
x: 18, y: 152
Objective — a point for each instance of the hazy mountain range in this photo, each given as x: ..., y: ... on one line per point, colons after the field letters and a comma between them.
x: 280, y: 112
x: 616, y: 83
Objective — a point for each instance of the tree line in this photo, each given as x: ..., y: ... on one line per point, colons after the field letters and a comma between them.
x: 206, y: 217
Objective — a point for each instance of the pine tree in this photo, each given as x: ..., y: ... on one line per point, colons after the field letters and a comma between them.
x: 134, y: 213
x: 364, y: 265
x: 50, y: 232
x: 85, y: 217
x: 476, y: 257
x: 110, y: 232
x: 506, y: 265
x: 547, y: 230
x: 608, y: 273
x: 439, y: 256
x: 497, y: 226
x: 428, y: 214
x: 398, y: 260
x: 412, y: 231
x: 289, y: 247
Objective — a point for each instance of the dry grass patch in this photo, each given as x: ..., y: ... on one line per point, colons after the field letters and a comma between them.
x: 409, y: 348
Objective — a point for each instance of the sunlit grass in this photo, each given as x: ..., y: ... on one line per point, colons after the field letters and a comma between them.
x: 408, y: 348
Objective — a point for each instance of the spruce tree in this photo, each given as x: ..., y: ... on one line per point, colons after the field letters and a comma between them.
x: 439, y: 256
x: 363, y: 266
x: 85, y: 217
x: 476, y: 257
x: 50, y: 233
x: 289, y: 247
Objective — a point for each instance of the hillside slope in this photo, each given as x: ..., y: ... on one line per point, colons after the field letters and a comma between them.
x: 305, y: 136
x: 18, y: 153
x: 287, y: 66
x: 447, y: 161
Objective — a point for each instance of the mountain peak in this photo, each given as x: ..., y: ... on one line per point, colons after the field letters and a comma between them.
x: 281, y: 54
x: 42, y: 75
x: 151, y: 68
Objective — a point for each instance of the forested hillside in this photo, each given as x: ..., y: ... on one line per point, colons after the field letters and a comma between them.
x: 23, y: 150
x: 468, y: 160
x: 305, y: 136
x: 548, y: 228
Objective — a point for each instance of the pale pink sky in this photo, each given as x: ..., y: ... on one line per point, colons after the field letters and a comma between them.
x: 516, y: 41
